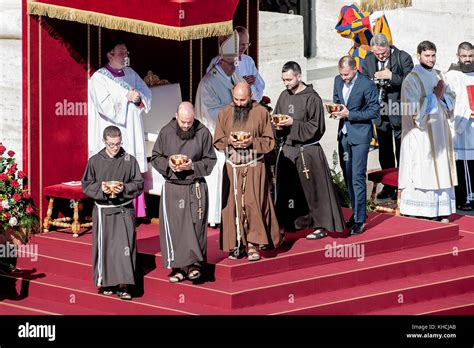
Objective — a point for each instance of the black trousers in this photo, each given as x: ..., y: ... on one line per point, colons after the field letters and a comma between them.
x: 461, y: 189
x: 385, y: 134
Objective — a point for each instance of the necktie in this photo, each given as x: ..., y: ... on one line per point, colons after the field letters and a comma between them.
x: 346, y: 97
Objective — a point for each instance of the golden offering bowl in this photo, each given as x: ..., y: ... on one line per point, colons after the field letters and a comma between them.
x: 277, y: 118
x: 179, y: 160
x: 111, y: 185
x: 332, y: 107
x: 240, y: 135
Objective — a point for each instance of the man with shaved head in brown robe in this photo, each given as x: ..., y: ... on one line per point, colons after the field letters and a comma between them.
x: 248, y: 216
x: 184, y: 199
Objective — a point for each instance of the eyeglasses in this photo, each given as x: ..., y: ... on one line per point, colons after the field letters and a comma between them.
x: 111, y: 146
x: 246, y: 45
x: 121, y: 54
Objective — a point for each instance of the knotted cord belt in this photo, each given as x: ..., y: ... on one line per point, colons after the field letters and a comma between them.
x: 199, y: 197
x: 244, y: 184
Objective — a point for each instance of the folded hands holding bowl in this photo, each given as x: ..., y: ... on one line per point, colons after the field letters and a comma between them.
x: 112, y: 188
x: 240, y: 139
x: 180, y: 162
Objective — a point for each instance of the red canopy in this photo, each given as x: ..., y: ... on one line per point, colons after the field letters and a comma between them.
x: 167, y: 19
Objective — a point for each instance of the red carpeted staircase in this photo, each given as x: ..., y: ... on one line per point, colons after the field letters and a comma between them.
x: 398, y: 266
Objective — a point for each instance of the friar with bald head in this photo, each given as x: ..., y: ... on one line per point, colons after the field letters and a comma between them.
x: 244, y: 133
x: 184, y: 199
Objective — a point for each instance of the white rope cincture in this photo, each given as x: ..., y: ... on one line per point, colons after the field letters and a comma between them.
x: 276, y: 173
x: 100, y: 236
x: 169, y: 242
x: 234, y: 172
x: 467, y: 177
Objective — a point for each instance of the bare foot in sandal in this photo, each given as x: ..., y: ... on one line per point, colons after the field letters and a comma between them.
x: 317, y: 234
x: 194, y: 272
x: 177, y: 277
x: 252, y: 253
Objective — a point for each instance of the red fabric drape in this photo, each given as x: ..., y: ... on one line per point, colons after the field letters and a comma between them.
x: 177, y: 13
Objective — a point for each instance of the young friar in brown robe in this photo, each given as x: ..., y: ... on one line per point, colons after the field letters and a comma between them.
x: 184, y: 199
x: 113, y: 230
x: 306, y: 197
x: 248, y: 216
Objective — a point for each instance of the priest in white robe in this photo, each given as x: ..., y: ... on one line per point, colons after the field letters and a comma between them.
x: 461, y: 81
x: 117, y: 96
x: 427, y: 172
x: 213, y: 94
x: 245, y: 66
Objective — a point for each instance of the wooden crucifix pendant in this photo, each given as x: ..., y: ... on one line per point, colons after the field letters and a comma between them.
x: 305, y: 169
x: 200, y: 211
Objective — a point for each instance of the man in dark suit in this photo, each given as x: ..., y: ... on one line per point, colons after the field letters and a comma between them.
x: 388, y: 66
x: 359, y: 96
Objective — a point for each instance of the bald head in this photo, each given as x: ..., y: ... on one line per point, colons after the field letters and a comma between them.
x: 241, y: 93
x: 185, y: 107
x: 185, y: 115
x: 242, y: 102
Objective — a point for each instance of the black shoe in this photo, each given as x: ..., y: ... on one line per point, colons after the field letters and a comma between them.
x: 351, y: 222
x: 357, y: 228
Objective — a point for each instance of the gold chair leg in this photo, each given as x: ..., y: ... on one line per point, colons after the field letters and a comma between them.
x: 399, y: 195
x: 374, y: 192
x: 47, y: 220
x: 75, y: 226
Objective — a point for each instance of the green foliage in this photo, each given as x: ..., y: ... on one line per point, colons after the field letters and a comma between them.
x: 338, y: 180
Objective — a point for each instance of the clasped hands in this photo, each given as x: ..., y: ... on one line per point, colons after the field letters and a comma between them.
x: 133, y: 96
x: 185, y: 166
x: 117, y: 189
x: 240, y: 144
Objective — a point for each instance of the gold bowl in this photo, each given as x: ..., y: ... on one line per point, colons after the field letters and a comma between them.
x: 179, y: 159
x: 111, y: 185
x: 240, y: 135
x: 332, y: 107
x: 277, y: 118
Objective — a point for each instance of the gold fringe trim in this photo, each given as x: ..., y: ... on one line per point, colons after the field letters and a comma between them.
x: 379, y: 5
x: 191, y: 32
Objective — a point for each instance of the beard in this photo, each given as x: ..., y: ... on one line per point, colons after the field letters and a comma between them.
x: 241, y: 113
x: 466, y: 67
x: 186, y: 135
x: 427, y: 67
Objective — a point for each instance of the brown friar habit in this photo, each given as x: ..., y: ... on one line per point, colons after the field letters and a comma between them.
x: 113, y: 245
x: 184, y: 199
x: 256, y: 215
x: 301, y: 202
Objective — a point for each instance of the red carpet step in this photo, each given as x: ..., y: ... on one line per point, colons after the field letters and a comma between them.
x: 383, y: 235
x: 429, y: 265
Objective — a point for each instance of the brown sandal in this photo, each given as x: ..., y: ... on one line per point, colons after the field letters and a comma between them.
x: 177, y: 277
x: 253, y: 254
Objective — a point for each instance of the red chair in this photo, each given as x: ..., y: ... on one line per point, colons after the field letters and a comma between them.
x: 386, y: 177
x: 75, y: 195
